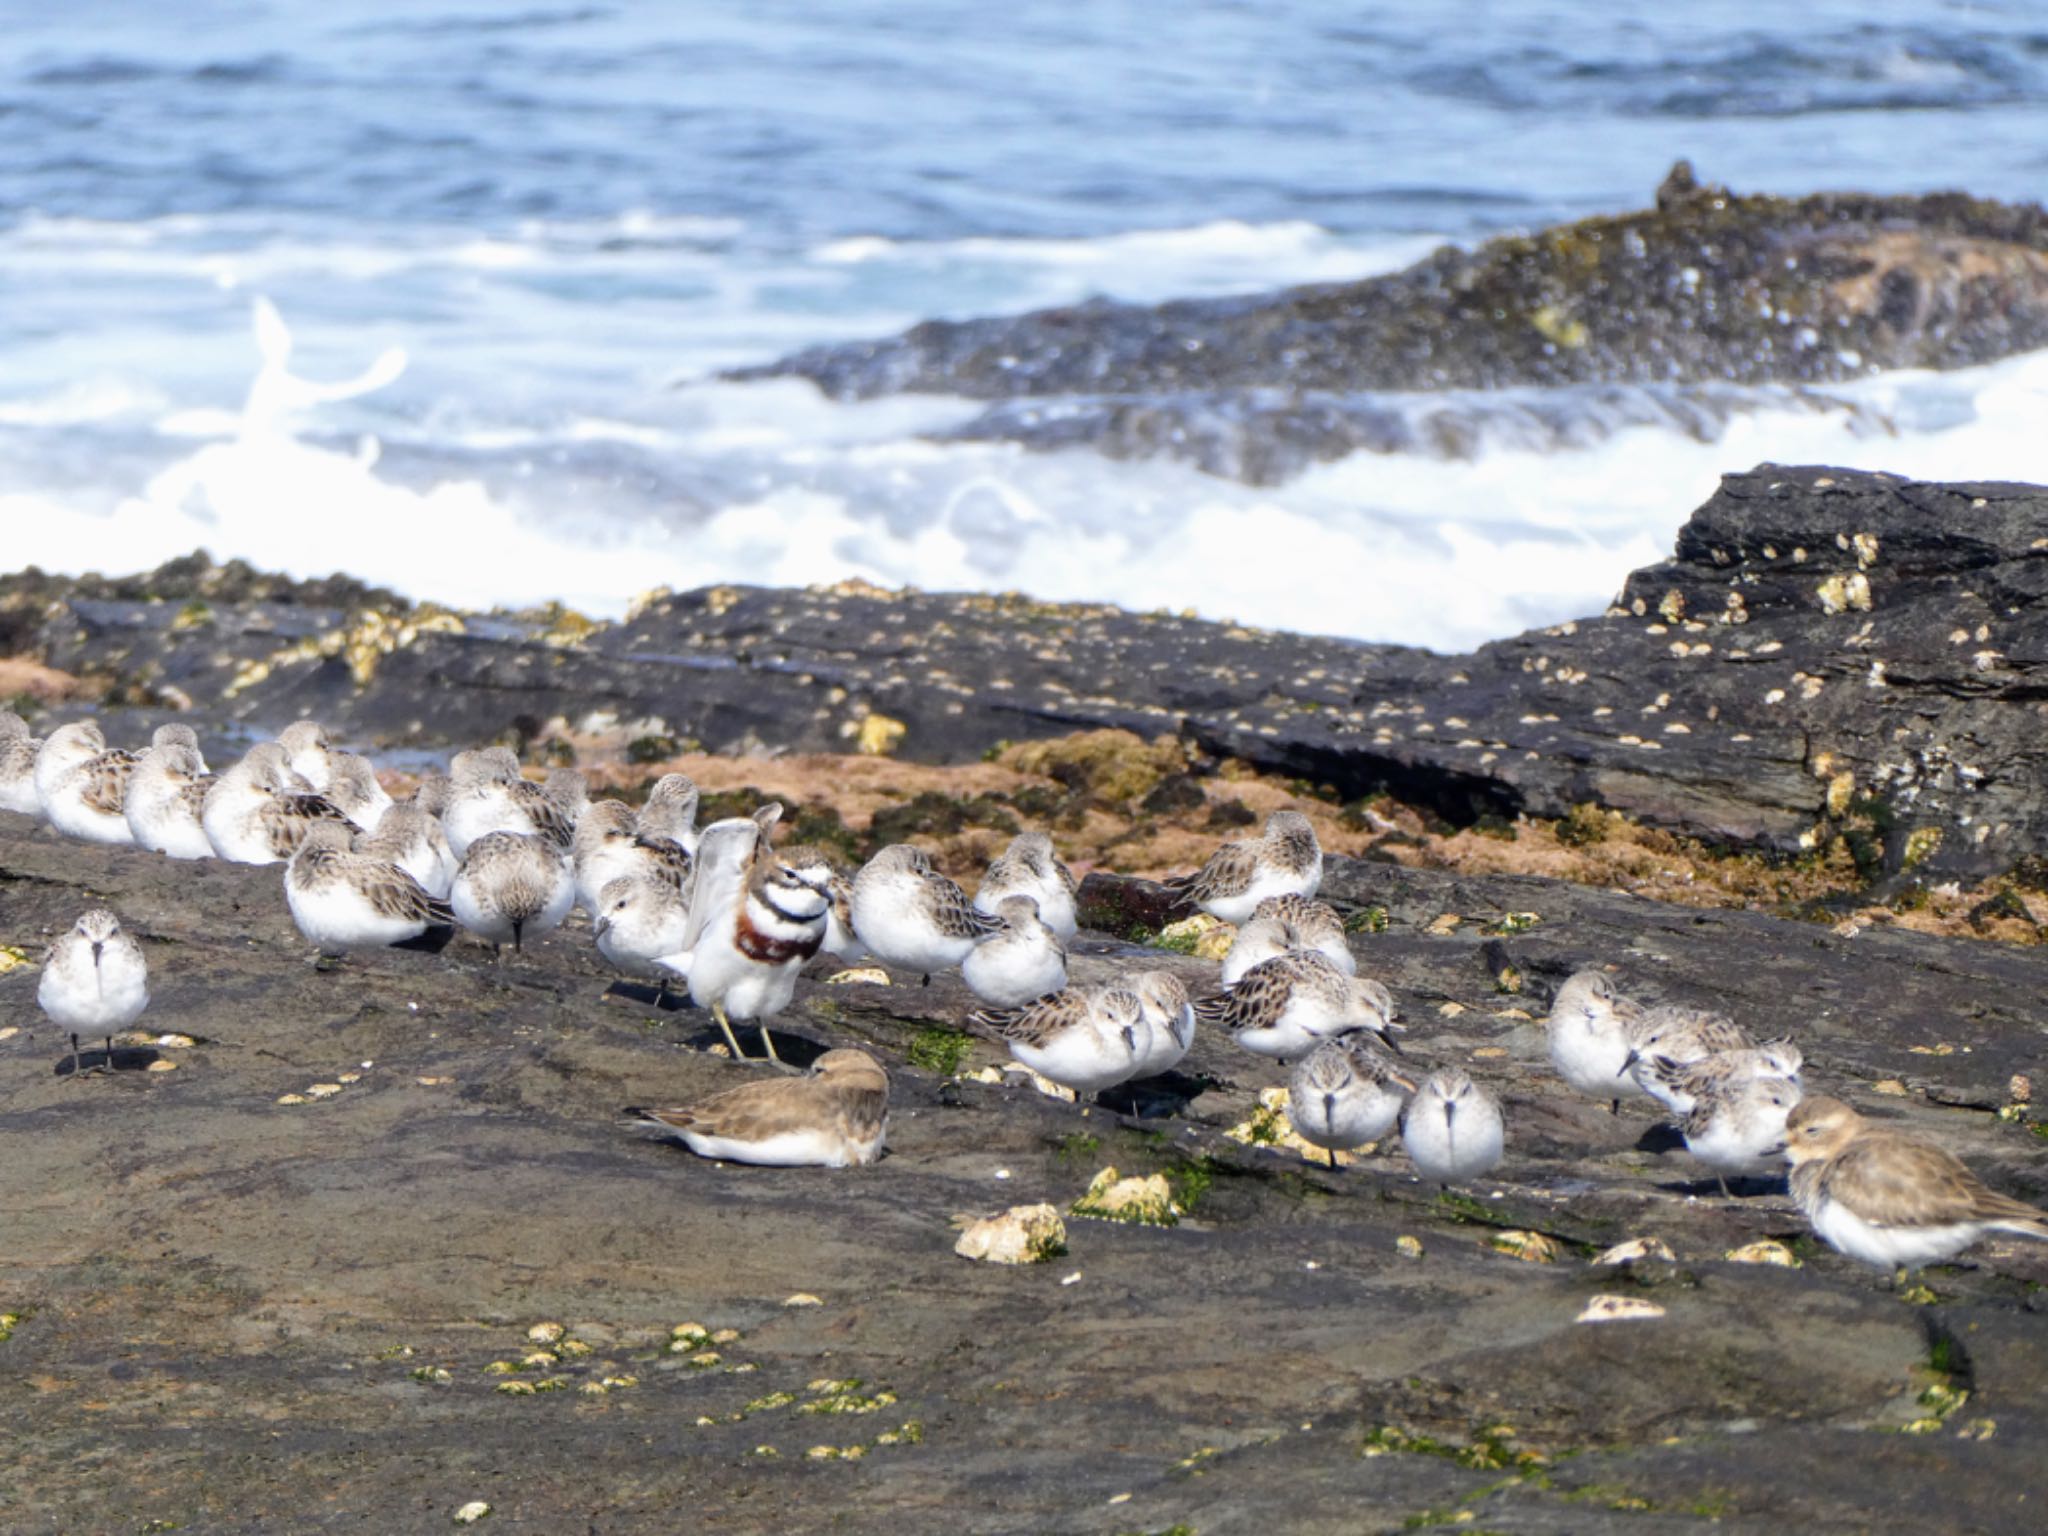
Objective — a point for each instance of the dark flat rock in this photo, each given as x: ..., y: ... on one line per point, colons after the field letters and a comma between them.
x: 228, y: 1303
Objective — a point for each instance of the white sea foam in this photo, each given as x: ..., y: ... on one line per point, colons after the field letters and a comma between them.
x: 483, y: 478
x: 1141, y: 266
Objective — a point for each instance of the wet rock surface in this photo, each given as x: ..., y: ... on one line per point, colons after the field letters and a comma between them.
x: 266, y: 1289
x: 1828, y: 655
x: 1647, y: 316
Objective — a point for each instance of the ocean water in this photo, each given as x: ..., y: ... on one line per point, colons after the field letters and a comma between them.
x: 436, y: 293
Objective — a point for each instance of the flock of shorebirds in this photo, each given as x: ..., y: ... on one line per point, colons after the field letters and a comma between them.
x: 718, y: 910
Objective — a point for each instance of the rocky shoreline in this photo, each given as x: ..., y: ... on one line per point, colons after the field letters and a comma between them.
x: 300, y: 1262
x: 1673, y: 315
x: 1831, y: 658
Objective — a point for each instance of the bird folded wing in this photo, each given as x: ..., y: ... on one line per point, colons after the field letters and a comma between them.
x: 752, y: 1111
x: 549, y: 819
x: 1893, y: 1181
x: 1229, y: 872
x: 106, y: 782
x: 394, y: 893
x: 954, y: 914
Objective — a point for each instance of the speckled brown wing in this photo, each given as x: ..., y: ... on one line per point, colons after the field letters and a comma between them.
x: 1893, y: 1180
x: 394, y: 893
x: 284, y: 819
x: 953, y: 914
x: 192, y: 793
x: 106, y: 782
x: 549, y: 819
x: 666, y: 861
x: 1036, y: 1021
x: 1710, y: 1031
x: 1229, y: 872
x: 1260, y: 996
x: 1717, y: 1032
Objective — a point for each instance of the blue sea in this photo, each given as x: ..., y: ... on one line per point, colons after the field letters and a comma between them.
x: 436, y: 293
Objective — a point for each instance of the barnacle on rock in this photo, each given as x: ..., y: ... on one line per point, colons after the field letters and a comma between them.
x: 1146, y: 1201
x: 1024, y: 1234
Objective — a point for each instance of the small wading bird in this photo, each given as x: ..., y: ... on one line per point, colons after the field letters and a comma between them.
x: 1286, y: 861
x: 1344, y: 1093
x: 1591, y: 1045
x: 95, y: 980
x: 1021, y: 960
x: 753, y: 922
x: 913, y: 917
x: 1030, y: 867
x: 1281, y: 923
x: 1890, y: 1200
x: 344, y: 900
x: 834, y: 1116
x: 1453, y: 1128
x: 1288, y: 1005
x: 1084, y: 1038
x: 512, y: 886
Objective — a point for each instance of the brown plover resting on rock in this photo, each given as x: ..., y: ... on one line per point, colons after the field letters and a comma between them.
x: 834, y: 1116
x: 1888, y: 1199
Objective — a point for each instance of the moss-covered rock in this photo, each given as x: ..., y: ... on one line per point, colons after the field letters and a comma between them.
x: 1114, y: 766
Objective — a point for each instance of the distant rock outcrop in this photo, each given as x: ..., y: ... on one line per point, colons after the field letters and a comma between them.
x: 1673, y: 315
